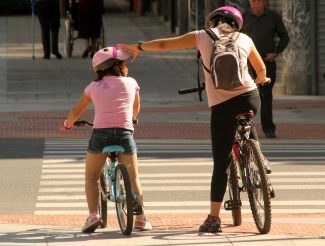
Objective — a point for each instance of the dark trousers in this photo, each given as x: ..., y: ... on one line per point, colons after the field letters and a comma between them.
x: 49, y: 17
x: 266, y: 95
x: 223, y: 128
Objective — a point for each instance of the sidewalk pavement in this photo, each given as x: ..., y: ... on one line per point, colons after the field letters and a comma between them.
x: 36, y: 94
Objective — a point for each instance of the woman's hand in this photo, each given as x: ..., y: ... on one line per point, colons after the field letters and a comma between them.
x: 132, y: 48
x: 262, y: 81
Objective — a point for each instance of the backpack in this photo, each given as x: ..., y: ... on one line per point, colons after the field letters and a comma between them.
x: 225, y: 65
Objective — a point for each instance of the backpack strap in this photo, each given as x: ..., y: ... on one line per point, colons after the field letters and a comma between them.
x: 211, y: 34
x: 214, y: 37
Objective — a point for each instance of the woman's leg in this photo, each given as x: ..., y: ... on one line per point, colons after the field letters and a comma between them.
x: 94, y: 165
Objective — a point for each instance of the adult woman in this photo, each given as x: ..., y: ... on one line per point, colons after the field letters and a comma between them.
x: 117, y: 101
x: 224, y: 104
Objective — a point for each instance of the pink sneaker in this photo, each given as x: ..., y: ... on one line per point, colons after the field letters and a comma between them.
x: 142, y: 223
x: 92, y: 223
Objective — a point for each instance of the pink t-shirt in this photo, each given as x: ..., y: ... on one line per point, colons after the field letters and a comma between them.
x: 113, y: 99
x: 216, y: 96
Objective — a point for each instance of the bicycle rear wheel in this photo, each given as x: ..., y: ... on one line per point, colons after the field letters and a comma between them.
x: 234, y: 192
x: 124, y: 199
x: 257, y: 186
x: 102, y: 198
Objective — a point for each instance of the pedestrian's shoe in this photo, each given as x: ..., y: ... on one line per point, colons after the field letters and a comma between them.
x: 92, y: 223
x: 270, y: 135
x: 57, y: 55
x: 86, y: 52
x: 211, y: 224
x: 267, y: 165
x: 142, y: 223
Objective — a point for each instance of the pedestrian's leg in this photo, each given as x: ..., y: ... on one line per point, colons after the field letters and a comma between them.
x: 45, y: 28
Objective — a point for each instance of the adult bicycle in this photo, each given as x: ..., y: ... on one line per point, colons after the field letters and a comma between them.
x: 114, y: 185
x: 247, y: 173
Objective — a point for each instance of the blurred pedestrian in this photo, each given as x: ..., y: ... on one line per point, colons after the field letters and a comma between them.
x: 90, y: 23
x: 48, y: 12
x: 264, y: 25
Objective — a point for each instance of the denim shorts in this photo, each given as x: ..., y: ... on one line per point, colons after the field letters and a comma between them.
x: 102, y: 137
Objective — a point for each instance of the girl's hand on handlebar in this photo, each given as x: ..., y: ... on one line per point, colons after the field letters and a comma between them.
x: 133, y: 49
x: 64, y: 126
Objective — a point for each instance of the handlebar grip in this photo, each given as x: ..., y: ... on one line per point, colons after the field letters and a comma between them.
x: 82, y: 123
x: 188, y: 90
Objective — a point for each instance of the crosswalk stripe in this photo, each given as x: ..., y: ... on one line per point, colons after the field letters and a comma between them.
x: 183, y: 211
x: 185, y: 181
x: 183, y: 204
x: 173, y: 188
x: 62, y: 180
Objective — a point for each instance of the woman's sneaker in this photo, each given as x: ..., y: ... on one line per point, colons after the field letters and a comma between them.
x: 142, y: 223
x: 92, y: 223
x: 211, y: 224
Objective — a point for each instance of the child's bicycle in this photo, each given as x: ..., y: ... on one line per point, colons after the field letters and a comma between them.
x: 115, y: 186
x: 247, y: 173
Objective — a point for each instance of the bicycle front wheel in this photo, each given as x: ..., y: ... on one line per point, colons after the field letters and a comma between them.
x: 257, y: 186
x: 102, y: 198
x: 234, y: 193
x: 124, y: 199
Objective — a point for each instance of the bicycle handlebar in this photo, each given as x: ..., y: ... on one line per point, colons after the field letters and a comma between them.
x: 192, y: 90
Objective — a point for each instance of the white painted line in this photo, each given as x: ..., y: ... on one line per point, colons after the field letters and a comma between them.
x: 63, y: 170
x: 61, y: 197
x: 189, y: 211
x: 61, y: 182
x: 70, y: 165
x: 173, y: 188
x: 63, y: 160
x: 182, y: 204
x: 70, y: 176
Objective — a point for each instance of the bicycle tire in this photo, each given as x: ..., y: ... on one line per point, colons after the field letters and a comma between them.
x: 257, y: 186
x: 68, y: 39
x: 102, y: 203
x: 123, y: 199
x: 234, y: 192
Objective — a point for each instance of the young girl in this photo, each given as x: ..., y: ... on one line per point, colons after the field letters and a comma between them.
x: 224, y: 104
x: 117, y: 102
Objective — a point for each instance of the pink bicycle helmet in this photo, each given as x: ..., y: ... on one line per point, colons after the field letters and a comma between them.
x: 106, y: 57
x: 227, y: 12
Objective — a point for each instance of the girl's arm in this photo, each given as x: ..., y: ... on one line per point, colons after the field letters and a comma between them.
x: 136, y: 106
x: 259, y: 66
x: 181, y: 42
x: 77, y: 110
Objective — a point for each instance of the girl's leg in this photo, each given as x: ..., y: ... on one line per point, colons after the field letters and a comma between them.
x: 94, y: 165
x: 131, y: 163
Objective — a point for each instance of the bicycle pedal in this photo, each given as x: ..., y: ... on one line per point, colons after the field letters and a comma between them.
x: 232, y: 204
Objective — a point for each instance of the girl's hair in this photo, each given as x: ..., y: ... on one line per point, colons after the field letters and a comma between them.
x: 117, y: 69
x: 225, y: 25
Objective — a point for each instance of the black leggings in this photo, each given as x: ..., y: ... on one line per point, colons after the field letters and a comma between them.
x: 223, y: 128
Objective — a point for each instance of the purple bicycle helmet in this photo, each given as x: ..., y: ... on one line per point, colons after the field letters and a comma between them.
x: 106, y: 57
x: 227, y: 12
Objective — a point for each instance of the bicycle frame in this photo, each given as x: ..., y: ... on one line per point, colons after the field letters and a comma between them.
x: 109, y: 168
x: 244, y: 126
